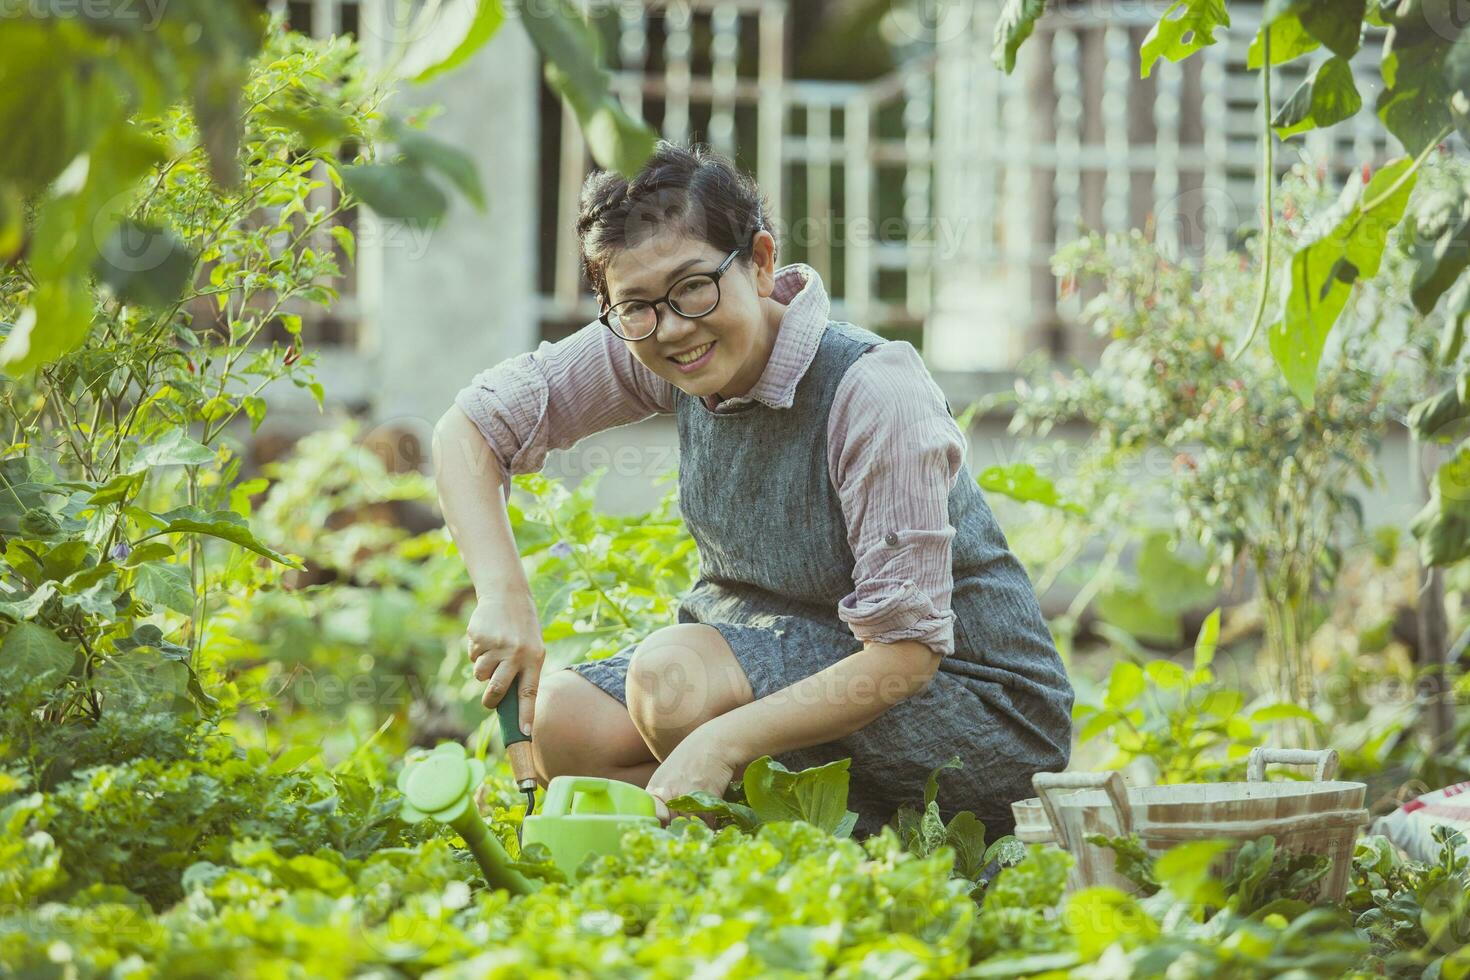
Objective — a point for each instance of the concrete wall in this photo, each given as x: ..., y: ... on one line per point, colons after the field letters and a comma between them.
x: 462, y: 296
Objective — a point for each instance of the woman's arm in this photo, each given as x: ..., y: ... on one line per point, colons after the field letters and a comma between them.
x: 504, y: 422
x: 894, y: 454
x: 556, y: 395
x: 469, y: 479
x: 837, y: 701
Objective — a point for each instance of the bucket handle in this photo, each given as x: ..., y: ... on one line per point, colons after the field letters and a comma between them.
x: 1046, y: 783
x: 1325, y: 761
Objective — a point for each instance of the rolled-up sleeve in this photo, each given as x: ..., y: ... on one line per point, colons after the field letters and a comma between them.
x: 894, y: 453
x: 554, y: 396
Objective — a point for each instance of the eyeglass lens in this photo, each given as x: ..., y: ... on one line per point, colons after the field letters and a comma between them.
x: 692, y: 297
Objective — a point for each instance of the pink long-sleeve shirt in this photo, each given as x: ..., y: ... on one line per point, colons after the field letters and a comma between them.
x: 893, y: 448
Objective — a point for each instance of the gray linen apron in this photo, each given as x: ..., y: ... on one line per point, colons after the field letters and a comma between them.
x: 755, y: 493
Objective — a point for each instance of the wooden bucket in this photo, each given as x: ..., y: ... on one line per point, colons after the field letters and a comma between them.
x: 1032, y: 825
x: 1318, y: 817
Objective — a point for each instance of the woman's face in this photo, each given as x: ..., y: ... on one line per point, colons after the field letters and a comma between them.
x: 739, y: 332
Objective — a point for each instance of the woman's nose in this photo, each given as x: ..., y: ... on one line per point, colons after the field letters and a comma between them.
x: 672, y: 326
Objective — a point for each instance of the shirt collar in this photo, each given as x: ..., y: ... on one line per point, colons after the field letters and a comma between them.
x: 802, y: 326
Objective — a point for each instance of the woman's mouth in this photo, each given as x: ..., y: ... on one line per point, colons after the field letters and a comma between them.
x: 695, y: 359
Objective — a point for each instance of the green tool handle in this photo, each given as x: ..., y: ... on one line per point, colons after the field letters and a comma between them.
x: 509, y: 710
x: 517, y: 743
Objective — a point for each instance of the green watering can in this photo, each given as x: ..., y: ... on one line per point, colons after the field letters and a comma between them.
x: 581, y: 815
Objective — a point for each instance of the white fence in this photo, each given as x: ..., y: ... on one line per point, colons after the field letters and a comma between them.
x: 933, y: 198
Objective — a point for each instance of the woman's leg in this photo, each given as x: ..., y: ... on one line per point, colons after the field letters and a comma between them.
x: 680, y: 677
x: 581, y: 730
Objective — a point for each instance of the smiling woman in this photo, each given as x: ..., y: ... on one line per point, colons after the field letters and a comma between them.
x: 856, y: 597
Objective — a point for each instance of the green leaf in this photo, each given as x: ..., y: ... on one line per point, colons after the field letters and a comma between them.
x: 1173, y: 583
x: 703, y: 802
x: 429, y: 153
x: 150, y: 551
x: 12, y: 222
x: 145, y: 265
x: 31, y: 651
x: 1414, y: 103
x: 1099, y: 918
x: 1457, y: 84
x: 1443, y: 526
x: 348, y: 244
x: 1134, y: 611
x: 1125, y: 685
x: 174, y: 448
x: 1322, y: 273
x: 1283, y: 711
x: 255, y: 408
x: 69, y: 230
x: 1456, y: 311
x: 24, y: 484
x: 1336, y: 23
x: 1324, y: 98
x: 966, y: 835
x: 398, y: 190
x: 1289, y: 41
x: 488, y: 17
x: 58, y: 319
x: 1441, y: 246
x: 572, y: 53
x: 1432, y: 414
x: 1185, y: 869
x: 144, y: 680
x: 817, y: 795
x: 116, y: 490
x: 224, y: 524
x: 1013, y: 25
x: 27, y: 607
x: 931, y: 786
x: 1020, y: 481
x: 94, y: 593
x: 1185, y: 27
x: 72, y: 227
x: 1208, y: 639
x: 1166, y: 674
x: 319, y: 126
x: 54, y: 100
x: 166, y: 585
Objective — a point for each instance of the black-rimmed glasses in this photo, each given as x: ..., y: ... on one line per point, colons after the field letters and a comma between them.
x: 693, y: 296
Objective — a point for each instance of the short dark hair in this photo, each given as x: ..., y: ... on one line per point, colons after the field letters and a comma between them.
x: 691, y: 191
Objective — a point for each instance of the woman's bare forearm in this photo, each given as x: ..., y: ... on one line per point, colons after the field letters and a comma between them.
x: 469, y: 478
x: 828, y: 705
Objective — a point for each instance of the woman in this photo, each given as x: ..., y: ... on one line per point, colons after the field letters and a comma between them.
x: 856, y: 598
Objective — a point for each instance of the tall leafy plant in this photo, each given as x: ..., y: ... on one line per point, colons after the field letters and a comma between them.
x: 1422, y: 54
x: 1244, y: 470
x: 117, y: 468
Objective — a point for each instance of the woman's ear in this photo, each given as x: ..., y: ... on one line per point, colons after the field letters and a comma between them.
x: 763, y: 258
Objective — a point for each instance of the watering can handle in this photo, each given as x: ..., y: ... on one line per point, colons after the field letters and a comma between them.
x: 1046, y: 783
x: 561, y: 791
x: 1324, y: 759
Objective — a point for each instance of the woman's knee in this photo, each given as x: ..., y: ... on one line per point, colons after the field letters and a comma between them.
x: 680, y: 677
x: 579, y: 729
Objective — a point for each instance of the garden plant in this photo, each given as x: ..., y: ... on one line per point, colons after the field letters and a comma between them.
x: 211, y: 679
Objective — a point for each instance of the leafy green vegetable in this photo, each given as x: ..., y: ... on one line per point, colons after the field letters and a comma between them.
x: 1324, y: 270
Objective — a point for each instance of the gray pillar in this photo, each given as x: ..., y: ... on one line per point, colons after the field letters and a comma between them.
x: 442, y: 303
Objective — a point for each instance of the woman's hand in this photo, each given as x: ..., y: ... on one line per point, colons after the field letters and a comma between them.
x: 700, y: 762
x: 505, y: 641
